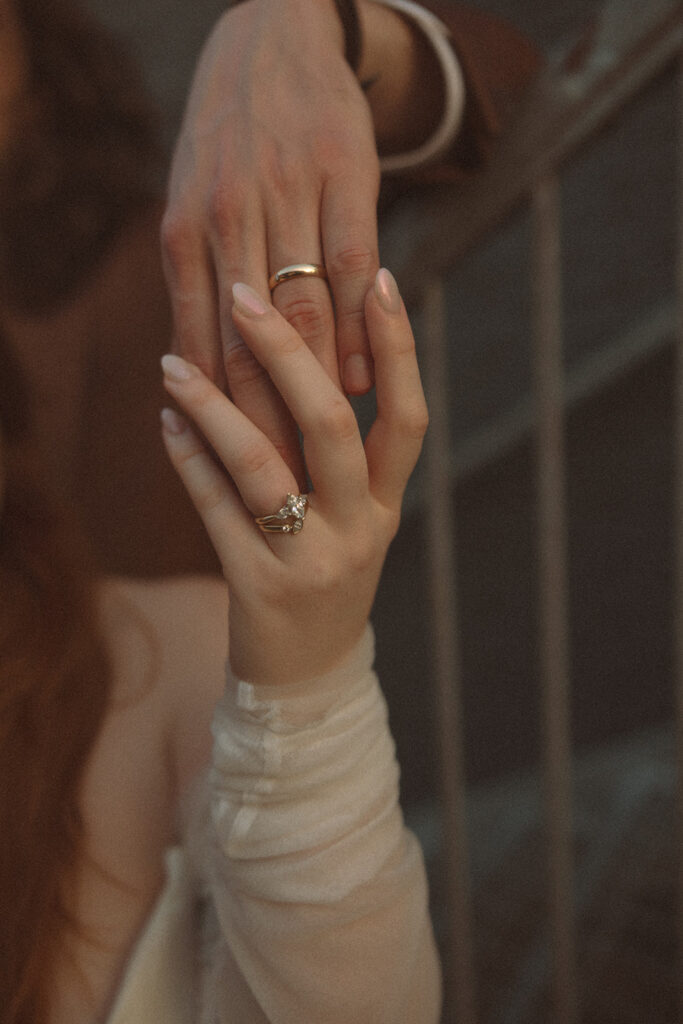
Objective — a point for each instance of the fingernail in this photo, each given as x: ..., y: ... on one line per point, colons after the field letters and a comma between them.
x: 172, y: 421
x: 177, y: 369
x: 248, y: 301
x: 357, y: 375
x: 386, y: 290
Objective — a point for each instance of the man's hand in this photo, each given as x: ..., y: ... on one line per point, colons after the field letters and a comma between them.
x: 276, y: 164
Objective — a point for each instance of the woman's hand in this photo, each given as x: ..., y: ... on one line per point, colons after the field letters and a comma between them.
x: 276, y: 164
x: 300, y: 602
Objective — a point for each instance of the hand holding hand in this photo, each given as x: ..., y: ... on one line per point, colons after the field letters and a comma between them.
x: 299, y: 603
x: 276, y: 164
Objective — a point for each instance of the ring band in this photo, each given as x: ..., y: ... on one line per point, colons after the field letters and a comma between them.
x: 297, y: 270
x: 290, y: 518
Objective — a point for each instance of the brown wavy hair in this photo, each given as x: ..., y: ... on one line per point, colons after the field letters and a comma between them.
x: 83, y: 159
x: 54, y: 686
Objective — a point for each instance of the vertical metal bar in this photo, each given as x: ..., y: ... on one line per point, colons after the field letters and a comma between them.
x: 678, y: 513
x: 553, y: 628
x: 460, y: 988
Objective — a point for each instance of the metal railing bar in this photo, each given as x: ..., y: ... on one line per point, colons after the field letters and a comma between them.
x: 678, y: 512
x: 585, y: 379
x: 460, y: 993
x: 533, y: 973
x: 438, y: 230
x: 616, y: 88
x: 553, y: 599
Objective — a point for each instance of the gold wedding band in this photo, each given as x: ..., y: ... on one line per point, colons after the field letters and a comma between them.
x: 297, y: 270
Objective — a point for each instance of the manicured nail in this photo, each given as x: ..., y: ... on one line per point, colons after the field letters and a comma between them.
x: 172, y: 421
x: 177, y: 369
x: 357, y: 375
x: 248, y: 301
x: 386, y: 290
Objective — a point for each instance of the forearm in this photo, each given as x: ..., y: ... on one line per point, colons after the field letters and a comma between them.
x: 406, y: 94
x: 404, y: 78
x: 322, y: 895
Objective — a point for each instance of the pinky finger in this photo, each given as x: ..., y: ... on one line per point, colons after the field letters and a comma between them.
x: 210, y: 490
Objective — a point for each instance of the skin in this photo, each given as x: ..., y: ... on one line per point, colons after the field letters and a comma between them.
x: 277, y: 163
x: 168, y: 643
x: 149, y: 750
x: 299, y: 605
x: 155, y: 738
x: 284, y: 169
x: 161, y: 638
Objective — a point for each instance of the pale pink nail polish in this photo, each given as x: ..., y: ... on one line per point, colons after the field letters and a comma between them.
x: 248, y: 301
x: 357, y: 375
x: 387, y: 292
x: 172, y: 422
x: 176, y: 369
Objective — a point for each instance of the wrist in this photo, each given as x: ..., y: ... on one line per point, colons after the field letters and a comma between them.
x: 347, y: 12
x: 338, y: 25
x: 407, y: 93
x: 319, y: 690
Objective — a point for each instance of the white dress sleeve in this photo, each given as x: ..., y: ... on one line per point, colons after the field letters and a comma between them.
x: 443, y: 137
x: 316, y: 889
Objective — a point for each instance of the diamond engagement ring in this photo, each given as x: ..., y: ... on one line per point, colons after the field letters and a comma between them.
x: 290, y: 518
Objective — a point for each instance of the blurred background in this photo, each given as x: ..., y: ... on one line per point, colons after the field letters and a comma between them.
x: 607, y: 114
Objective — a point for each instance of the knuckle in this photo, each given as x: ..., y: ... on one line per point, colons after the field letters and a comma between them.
x: 232, y: 268
x: 253, y: 458
x: 416, y: 421
x: 351, y: 261
x: 177, y: 240
x: 337, y: 419
x: 393, y: 522
x: 281, y: 171
x: 208, y: 498
x: 351, y: 321
x: 196, y: 394
x: 309, y: 315
x: 224, y: 204
x: 364, y: 553
x: 325, y: 574
x: 341, y: 149
x: 241, y: 368
x: 330, y: 147
x: 206, y: 492
x: 182, y: 459
x: 287, y: 446
x: 194, y: 347
x: 290, y: 343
